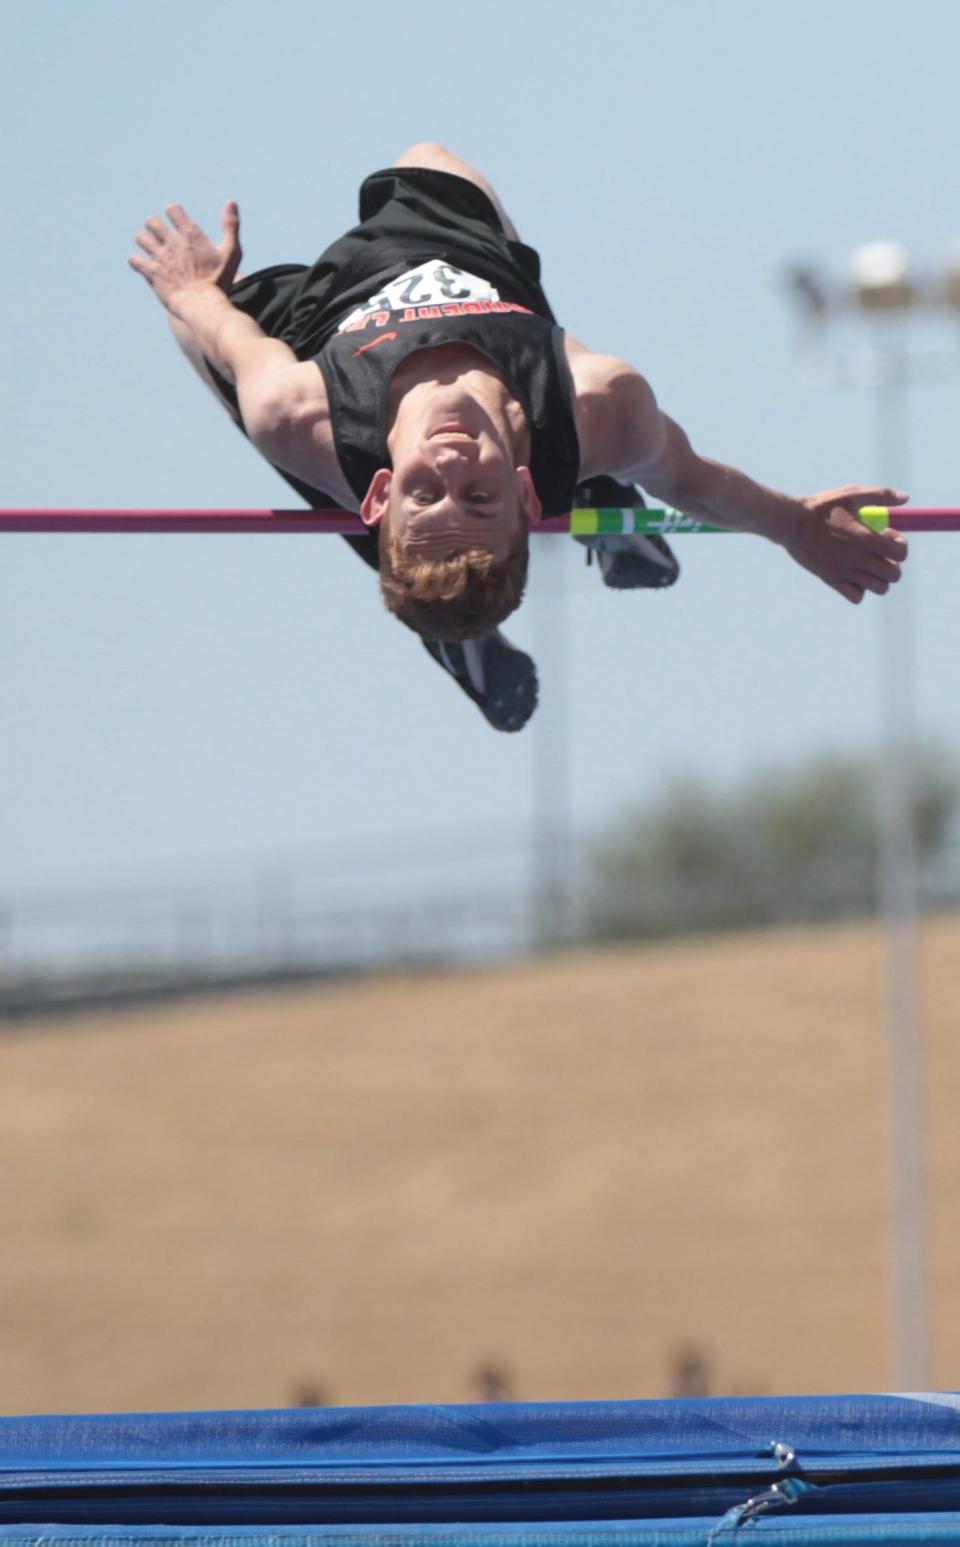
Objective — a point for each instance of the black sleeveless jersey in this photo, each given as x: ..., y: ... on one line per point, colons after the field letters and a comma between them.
x: 526, y: 349
x: 331, y: 313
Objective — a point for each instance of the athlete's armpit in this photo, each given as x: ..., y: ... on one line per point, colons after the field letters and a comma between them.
x: 286, y: 416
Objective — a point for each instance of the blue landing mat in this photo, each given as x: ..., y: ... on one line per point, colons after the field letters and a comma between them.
x: 853, y: 1469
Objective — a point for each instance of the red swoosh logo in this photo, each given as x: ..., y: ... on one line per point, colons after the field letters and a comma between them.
x: 383, y: 339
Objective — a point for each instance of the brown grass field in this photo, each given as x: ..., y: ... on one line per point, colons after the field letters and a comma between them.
x: 574, y: 1167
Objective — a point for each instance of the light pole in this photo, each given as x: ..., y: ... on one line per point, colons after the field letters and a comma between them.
x: 550, y: 753
x: 882, y: 292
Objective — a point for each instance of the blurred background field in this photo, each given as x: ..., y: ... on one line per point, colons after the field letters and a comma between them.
x: 616, y: 1173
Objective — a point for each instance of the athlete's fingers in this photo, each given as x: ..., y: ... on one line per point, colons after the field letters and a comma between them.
x: 890, y: 544
x: 852, y: 496
x: 180, y: 220
x: 230, y: 219
x: 884, y: 569
x: 885, y: 497
x: 156, y: 228
x: 870, y: 582
x: 859, y: 494
x: 148, y: 242
x: 142, y: 265
x: 851, y: 590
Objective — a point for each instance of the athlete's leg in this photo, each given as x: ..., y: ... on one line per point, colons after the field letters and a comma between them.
x: 429, y: 154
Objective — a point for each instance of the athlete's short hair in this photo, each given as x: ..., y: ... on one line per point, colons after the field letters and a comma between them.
x: 461, y: 597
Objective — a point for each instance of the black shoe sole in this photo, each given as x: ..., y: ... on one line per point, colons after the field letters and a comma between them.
x: 512, y: 690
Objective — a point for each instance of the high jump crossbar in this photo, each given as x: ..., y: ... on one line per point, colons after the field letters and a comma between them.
x: 579, y: 523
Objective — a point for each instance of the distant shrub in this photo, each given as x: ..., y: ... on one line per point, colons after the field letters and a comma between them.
x: 788, y: 845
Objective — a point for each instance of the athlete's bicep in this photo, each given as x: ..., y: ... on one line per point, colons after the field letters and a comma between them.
x: 651, y: 448
x: 269, y: 386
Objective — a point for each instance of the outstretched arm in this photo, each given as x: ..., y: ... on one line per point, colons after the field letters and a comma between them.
x: 190, y: 276
x: 283, y: 402
x: 820, y: 531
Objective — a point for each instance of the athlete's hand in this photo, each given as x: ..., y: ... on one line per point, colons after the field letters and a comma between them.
x: 180, y: 254
x: 833, y: 543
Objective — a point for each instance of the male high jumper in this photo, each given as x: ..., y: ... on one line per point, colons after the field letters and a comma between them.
x: 415, y: 373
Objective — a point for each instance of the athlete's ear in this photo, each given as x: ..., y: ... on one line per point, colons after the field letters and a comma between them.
x: 377, y: 497
x: 529, y: 497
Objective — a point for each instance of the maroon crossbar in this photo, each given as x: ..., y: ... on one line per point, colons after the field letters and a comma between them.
x: 916, y: 518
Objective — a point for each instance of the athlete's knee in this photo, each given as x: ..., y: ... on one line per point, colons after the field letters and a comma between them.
x: 424, y: 154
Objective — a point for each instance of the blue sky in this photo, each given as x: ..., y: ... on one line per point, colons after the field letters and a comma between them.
x: 174, y: 701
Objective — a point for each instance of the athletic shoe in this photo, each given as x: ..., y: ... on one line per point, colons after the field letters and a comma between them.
x: 501, y: 680
x: 631, y: 561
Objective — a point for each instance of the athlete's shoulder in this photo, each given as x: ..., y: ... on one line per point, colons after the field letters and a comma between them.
x: 611, y: 400
x: 594, y: 372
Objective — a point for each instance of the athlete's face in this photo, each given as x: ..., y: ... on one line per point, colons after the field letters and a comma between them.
x: 454, y: 486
